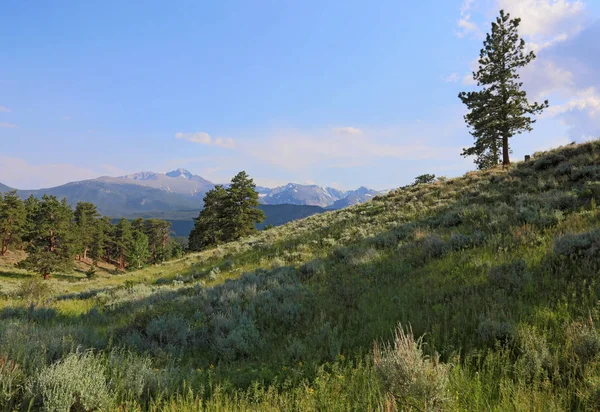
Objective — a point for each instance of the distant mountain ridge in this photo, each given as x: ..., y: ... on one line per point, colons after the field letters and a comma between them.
x: 151, y: 193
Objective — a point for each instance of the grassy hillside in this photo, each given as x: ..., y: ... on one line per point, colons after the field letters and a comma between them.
x: 493, y: 277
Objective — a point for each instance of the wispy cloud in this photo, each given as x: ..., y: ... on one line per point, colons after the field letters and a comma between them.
x: 8, y: 125
x: 4, y: 109
x: 206, y: 139
x: 66, y: 117
x: 465, y: 25
x: 453, y: 78
x: 347, y: 131
x: 298, y: 150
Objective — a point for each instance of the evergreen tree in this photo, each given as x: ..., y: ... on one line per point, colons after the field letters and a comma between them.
x: 100, y: 240
x: 139, y: 252
x: 241, y: 208
x: 85, y: 225
x: 158, y: 232
x: 32, y: 205
x: 208, y: 226
x: 500, y: 109
x: 12, y: 220
x: 122, y: 240
x: 51, y: 237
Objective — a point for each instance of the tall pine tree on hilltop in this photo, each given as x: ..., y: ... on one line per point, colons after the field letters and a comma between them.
x: 500, y: 109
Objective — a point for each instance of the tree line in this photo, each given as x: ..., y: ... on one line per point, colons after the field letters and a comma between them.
x: 54, y: 235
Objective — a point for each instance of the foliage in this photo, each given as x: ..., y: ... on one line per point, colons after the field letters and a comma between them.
x: 500, y: 110
x: 414, y: 379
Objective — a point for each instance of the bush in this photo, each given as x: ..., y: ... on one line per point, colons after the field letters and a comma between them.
x: 34, y: 290
x: 170, y: 329
x: 414, y: 379
x: 490, y: 331
x: 75, y: 383
x: 548, y: 161
x: 576, y: 246
x: 585, y: 342
x: 423, y: 179
x: 310, y: 269
x: 512, y: 276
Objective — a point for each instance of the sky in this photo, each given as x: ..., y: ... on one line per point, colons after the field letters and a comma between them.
x: 340, y: 93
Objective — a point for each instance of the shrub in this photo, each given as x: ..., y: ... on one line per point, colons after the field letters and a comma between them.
x: 214, y: 273
x: 75, y: 383
x: 412, y: 378
x: 170, y: 329
x: 585, y: 341
x: 534, y: 356
x: 579, y: 245
x: 548, y: 161
x: 510, y: 276
x: 310, y: 269
x: 490, y: 331
x: 423, y: 179
x: 34, y: 290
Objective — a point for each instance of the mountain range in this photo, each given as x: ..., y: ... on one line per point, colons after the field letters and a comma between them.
x: 177, y: 195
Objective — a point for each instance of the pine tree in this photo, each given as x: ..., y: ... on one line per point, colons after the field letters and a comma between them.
x: 51, y: 237
x: 208, y: 226
x: 241, y: 209
x: 12, y: 220
x: 139, y: 252
x: 158, y: 232
x: 100, y: 240
x: 85, y: 221
x: 501, y: 109
x: 122, y: 239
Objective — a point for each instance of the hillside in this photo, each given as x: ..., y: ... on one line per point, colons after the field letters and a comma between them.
x: 495, y: 270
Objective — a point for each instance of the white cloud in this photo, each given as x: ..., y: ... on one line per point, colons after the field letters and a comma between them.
x: 206, y: 139
x: 21, y: 174
x: 298, y: 150
x: 587, y: 100
x: 546, y: 19
x: 567, y: 67
x: 453, y: 78
x: 4, y: 109
x: 466, y: 26
x: 348, y: 131
x: 8, y: 125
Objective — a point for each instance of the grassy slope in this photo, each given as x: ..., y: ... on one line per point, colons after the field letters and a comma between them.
x: 479, y: 265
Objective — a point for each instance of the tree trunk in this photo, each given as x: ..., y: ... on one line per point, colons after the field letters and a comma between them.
x: 505, y: 152
x: 4, y: 249
x: 85, y: 254
x: 46, y: 276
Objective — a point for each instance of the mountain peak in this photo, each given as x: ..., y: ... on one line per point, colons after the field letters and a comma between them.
x: 183, y: 173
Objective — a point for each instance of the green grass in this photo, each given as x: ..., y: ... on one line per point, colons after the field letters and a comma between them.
x: 495, y: 271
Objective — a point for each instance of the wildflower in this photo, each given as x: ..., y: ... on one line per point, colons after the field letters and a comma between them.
x: 300, y: 363
x: 311, y: 390
x: 155, y: 370
x: 212, y: 366
x: 198, y: 370
x: 341, y: 357
x: 283, y: 368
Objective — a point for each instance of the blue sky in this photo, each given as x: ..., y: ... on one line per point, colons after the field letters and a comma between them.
x: 339, y: 93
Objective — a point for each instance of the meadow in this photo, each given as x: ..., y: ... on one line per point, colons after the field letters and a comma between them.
x: 474, y: 293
